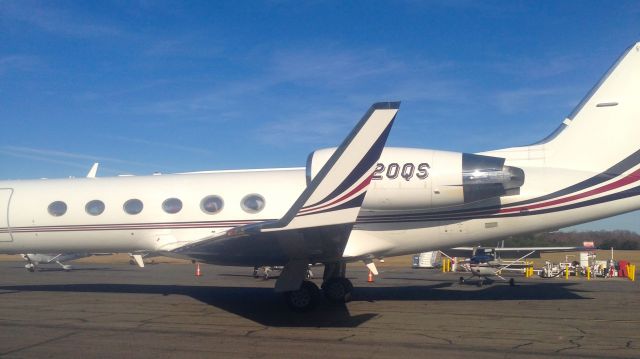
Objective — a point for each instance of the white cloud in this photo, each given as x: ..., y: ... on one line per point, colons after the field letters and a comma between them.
x: 524, y: 99
x: 331, y: 67
x: 63, y: 157
x: 164, y: 145
x: 317, y: 125
x: 537, y: 68
x: 41, y: 158
x: 55, y: 20
x: 17, y: 63
x: 327, y: 76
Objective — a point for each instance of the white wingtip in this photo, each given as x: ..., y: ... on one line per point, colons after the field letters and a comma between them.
x: 93, y: 171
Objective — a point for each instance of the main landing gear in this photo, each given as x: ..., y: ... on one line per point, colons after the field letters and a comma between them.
x: 303, y: 299
x: 336, y: 288
x: 30, y: 267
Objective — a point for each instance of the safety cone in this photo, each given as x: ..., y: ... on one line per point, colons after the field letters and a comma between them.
x: 198, y: 273
x: 370, y: 279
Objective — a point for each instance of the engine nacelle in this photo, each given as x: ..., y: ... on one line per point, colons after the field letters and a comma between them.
x: 410, y: 178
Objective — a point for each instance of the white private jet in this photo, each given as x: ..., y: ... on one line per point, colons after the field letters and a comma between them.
x: 356, y: 202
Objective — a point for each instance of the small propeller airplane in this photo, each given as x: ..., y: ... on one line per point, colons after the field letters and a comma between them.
x: 486, y: 262
x: 356, y: 202
x: 34, y: 260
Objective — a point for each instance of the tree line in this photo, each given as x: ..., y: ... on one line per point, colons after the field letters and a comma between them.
x: 618, y: 239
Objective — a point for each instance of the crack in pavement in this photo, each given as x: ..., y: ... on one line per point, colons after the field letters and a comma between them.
x: 448, y: 341
x: 39, y: 344
x: 580, y: 330
x: 251, y: 332
x: 347, y: 337
x: 575, y: 345
x: 521, y: 345
x: 147, y: 321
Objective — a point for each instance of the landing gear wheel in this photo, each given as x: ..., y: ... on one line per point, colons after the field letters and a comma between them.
x: 461, y: 280
x: 480, y: 282
x: 31, y: 269
x: 337, y: 290
x: 512, y: 282
x: 303, y: 299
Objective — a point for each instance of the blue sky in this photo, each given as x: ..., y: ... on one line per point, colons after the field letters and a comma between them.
x: 145, y: 86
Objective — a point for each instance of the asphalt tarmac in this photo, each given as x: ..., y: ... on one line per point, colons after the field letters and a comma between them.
x: 164, y: 311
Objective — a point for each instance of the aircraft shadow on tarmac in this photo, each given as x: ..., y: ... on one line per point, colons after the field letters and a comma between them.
x: 264, y: 306
x: 78, y: 268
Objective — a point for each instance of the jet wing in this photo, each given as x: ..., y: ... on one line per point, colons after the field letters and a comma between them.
x: 317, y: 226
x: 533, y: 252
x: 525, y: 249
x: 542, y: 249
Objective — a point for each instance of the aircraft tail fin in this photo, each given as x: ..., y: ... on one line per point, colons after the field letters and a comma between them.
x: 603, y: 129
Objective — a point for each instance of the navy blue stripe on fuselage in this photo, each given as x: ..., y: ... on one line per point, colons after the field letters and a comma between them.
x: 632, y: 192
x: 613, y: 172
x: 133, y: 226
x: 352, y: 203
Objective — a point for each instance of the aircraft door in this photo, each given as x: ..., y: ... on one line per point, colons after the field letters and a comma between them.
x: 5, y: 231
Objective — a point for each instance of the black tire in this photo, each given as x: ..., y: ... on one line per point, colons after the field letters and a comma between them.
x: 512, y: 282
x: 304, y: 299
x: 480, y: 282
x: 461, y: 280
x: 337, y: 290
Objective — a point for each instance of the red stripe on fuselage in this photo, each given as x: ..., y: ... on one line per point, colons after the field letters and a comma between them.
x: 633, y: 177
x: 362, y: 185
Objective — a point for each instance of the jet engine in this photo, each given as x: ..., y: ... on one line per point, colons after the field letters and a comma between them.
x: 410, y: 178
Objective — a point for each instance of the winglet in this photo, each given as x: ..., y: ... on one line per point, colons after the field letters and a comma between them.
x: 372, y: 266
x: 138, y: 259
x: 336, y: 193
x: 93, y: 171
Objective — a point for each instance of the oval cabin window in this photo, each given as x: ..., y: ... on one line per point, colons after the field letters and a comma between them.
x: 172, y: 205
x: 57, y: 208
x: 253, y: 203
x: 95, y: 207
x: 211, y: 204
x: 133, y: 206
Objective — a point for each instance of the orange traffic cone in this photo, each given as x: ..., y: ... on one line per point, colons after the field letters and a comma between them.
x: 198, y: 273
x: 370, y: 279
